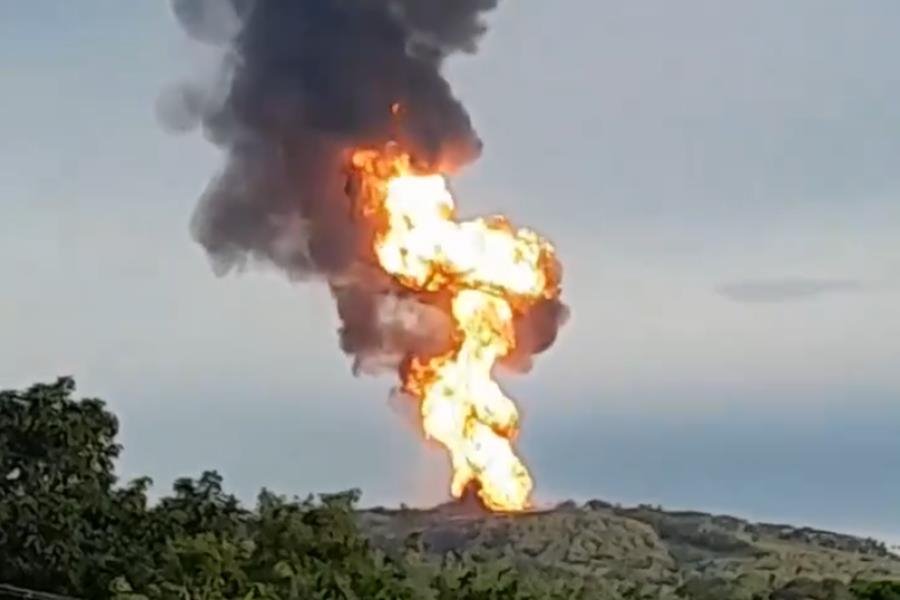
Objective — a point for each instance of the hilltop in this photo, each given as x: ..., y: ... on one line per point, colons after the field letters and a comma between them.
x: 644, y: 552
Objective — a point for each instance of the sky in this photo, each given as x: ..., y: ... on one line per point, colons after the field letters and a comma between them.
x: 722, y: 182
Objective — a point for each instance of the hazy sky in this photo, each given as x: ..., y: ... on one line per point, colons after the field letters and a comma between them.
x: 722, y: 181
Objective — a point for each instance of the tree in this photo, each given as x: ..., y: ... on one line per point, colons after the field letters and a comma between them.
x: 56, y: 486
x: 877, y: 590
x: 68, y: 528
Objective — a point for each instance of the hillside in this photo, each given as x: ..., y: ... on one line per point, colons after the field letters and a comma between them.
x: 644, y: 552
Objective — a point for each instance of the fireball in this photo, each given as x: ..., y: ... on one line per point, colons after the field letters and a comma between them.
x: 492, y: 272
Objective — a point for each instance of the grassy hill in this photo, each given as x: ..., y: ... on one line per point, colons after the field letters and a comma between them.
x: 644, y: 552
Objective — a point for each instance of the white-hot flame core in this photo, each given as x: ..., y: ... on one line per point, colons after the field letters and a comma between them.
x: 424, y: 239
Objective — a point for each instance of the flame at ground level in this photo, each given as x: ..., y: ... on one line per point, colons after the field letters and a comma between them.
x: 493, y: 273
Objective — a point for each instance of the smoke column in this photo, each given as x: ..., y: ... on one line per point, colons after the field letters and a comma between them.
x: 303, y: 83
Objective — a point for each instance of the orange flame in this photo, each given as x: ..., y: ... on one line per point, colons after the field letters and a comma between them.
x: 493, y: 272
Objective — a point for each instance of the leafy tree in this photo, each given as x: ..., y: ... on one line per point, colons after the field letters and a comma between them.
x: 877, y: 590
x: 56, y: 488
x: 68, y: 528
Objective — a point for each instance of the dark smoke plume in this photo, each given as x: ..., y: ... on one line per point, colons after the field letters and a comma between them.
x: 302, y: 83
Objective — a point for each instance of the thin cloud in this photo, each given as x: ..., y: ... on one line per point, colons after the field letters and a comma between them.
x: 785, y: 290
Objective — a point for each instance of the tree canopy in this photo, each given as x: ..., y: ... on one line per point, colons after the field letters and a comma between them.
x: 68, y: 526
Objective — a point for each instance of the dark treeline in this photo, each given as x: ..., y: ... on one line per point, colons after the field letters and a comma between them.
x: 68, y: 526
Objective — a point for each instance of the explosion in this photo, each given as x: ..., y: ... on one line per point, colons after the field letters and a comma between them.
x: 339, y: 132
x: 490, y: 271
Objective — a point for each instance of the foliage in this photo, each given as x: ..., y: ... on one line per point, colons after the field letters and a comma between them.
x: 57, y: 496
x: 877, y: 590
x: 68, y: 528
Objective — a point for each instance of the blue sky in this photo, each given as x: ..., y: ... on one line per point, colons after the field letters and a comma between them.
x: 722, y: 183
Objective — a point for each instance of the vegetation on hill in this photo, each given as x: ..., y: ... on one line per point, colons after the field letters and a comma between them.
x: 68, y: 526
